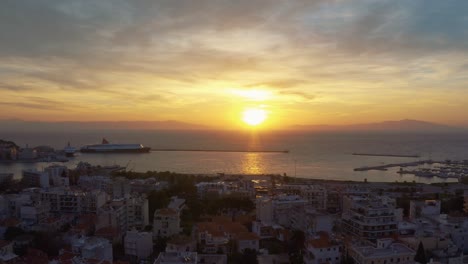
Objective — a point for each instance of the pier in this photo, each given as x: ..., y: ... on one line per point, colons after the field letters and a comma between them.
x: 387, y: 155
x: 391, y: 165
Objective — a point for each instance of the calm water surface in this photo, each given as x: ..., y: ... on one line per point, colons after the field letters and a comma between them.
x: 312, y: 155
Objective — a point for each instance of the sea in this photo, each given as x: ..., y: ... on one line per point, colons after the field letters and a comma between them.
x: 314, y: 155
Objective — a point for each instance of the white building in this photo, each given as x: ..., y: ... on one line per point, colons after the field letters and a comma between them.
x: 166, y: 222
x: 6, y: 252
x: 138, y: 244
x: 181, y: 243
x: 311, y: 221
x: 322, y: 249
x: 369, y: 217
x: 384, y: 252
x: 58, y: 175
x: 189, y: 258
x: 93, y: 248
x: 280, y: 209
x: 35, y: 178
x: 34, y: 213
x: 264, y: 209
x: 427, y: 208
x: 176, y: 258
x: 176, y: 203
x: 315, y: 195
x: 247, y: 240
x: 125, y: 213
x: 65, y: 200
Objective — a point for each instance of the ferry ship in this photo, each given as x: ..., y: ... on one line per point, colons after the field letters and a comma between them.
x: 69, y: 150
x: 106, y: 147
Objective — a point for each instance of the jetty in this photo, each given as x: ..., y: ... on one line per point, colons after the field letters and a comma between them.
x: 221, y: 150
x: 387, y: 155
x: 391, y: 165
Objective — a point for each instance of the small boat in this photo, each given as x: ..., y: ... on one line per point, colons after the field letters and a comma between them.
x: 69, y: 150
x: 106, y: 147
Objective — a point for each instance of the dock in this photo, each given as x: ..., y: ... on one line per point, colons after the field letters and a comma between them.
x: 442, y: 169
x: 391, y: 165
x: 387, y: 155
x: 221, y: 150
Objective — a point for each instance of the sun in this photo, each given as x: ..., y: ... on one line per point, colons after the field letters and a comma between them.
x: 254, y: 116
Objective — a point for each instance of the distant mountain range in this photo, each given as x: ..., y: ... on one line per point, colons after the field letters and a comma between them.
x: 405, y: 125
x: 13, y: 125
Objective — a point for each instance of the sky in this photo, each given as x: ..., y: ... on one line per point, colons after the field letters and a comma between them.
x: 209, y: 61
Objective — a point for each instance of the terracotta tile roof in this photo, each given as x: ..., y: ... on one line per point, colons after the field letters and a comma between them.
x: 234, y: 227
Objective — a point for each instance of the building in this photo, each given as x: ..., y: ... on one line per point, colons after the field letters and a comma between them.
x: 280, y: 210
x: 147, y: 185
x: 216, y: 236
x: 311, y: 221
x: 34, y: 213
x: 427, y: 208
x: 27, y: 154
x: 386, y: 251
x: 247, y: 240
x: 264, y: 209
x: 369, y: 217
x: 315, y: 195
x: 189, y: 258
x: 181, y: 243
x: 58, y: 175
x: 95, y: 248
x: 176, y: 258
x: 166, y: 222
x: 64, y: 200
x: 322, y: 249
x: 35, y: 178
x: 6, y: 252
x: 176, y: 203
x: 233, y: 187
x: 113, y: 214
x: 138, y: 244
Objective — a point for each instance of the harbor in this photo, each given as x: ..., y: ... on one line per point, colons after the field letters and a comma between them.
x: 440, y: 169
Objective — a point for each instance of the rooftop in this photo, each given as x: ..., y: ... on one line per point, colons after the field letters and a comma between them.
x: 166, y: 212
x: 394, y: 249
x: 176, y: 257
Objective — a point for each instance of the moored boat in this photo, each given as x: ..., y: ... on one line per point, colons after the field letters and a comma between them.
x: 107, y: 147
x: 69, y: 150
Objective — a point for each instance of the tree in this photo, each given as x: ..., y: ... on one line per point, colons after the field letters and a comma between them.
x: 420, y: 256
x: 12, y: 232
x: 249, y: 256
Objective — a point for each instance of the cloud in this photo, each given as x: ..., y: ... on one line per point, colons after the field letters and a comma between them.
x: 162, y: 52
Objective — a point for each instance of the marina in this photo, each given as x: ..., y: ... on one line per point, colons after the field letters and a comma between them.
x: 439, y: 169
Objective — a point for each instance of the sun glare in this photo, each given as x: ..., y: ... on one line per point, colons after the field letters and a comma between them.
x: 254, y: 117
x: 254, y: 94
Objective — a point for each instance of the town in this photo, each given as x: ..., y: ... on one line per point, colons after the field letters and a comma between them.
x: 95, y: 214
